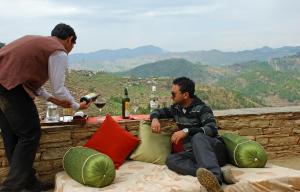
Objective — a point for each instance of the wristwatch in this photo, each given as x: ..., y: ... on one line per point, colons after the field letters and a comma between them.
x: 186, y: 130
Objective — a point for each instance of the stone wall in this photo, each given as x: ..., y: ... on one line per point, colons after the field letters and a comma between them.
x: 277, y: 129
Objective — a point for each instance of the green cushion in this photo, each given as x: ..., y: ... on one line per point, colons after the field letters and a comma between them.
x: 153, y: 148
x: 89, y: 167
x: 244, y: 152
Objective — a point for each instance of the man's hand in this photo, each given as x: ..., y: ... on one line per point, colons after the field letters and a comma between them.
x: 177, y: 136
x: 84, y: 105
x: 62, y: 103
x: 155, y: 125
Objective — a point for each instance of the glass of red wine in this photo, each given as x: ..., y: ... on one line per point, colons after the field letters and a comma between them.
x: 100, y: 103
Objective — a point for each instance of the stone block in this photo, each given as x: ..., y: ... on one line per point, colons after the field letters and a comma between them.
x: 281, y: 123
x: 2, y: 152
x: 81, y: 135
x: 1, y: 143
x: 281, y: 141
x: 56, y: 137
x: 262, y: 140
x: 3, y: 172
x: 54, y: 153
x: 296, y: 130
x: 56, y: 145
x: 4, y: 162
x: 43, y: 166
x: 250, y: 131
x: 232, y: 124
x: 58, y: 164
x: 259, y: 123
x: 297, y: 122
x: 80, y: 142
x: 277, y: 130
x: 278, y: 148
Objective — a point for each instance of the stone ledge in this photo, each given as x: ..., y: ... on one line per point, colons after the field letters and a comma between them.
x: 257, y: 111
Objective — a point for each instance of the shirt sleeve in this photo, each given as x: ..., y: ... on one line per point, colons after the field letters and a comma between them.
x: 161, y: 113
x: 58, y: 65
x: 42, y: 92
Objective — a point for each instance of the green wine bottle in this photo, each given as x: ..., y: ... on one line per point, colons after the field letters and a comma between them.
x: 125, y: 105
x: 89, y: 97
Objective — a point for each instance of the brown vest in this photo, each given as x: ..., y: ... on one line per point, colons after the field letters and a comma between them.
x: 25, y: 61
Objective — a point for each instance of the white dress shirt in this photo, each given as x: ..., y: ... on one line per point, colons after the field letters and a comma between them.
x: 57, y: 66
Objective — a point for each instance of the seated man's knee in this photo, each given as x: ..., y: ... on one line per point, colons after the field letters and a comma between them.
x: 198, y: 137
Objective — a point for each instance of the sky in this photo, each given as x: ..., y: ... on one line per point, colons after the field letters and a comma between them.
x: 173, y: 25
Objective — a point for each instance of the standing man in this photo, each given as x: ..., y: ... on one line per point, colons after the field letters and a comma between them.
x: 203, y: 152
x: 25, y: 65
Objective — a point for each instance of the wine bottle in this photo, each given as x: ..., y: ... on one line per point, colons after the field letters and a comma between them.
x: 153, y: 103
x: 125, y: 105
x: 89, y: 97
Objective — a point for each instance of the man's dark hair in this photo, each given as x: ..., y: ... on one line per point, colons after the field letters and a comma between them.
x: 185, y: 85
x: 63, y: 31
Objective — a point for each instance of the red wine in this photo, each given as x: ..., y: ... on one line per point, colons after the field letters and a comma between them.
x: 100, y: 104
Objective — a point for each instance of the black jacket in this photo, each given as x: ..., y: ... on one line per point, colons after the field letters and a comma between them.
x: 198, y: 117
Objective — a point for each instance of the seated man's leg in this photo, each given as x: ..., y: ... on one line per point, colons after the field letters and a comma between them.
x: 204, y: 150
x: 182, y: 163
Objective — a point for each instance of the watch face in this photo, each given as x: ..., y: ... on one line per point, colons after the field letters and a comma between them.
x: 185, y: 130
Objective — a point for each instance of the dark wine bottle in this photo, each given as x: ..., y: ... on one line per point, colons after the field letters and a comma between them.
x: 89, y: 97
x: 125, y: 105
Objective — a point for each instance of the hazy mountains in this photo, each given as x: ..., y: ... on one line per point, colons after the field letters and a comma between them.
x: 125, y: 59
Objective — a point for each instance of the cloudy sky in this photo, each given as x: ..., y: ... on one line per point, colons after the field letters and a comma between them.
x: 174, y: 25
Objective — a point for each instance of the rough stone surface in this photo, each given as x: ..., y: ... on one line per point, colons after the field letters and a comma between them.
x: 54, y: 153
x: 282, y: 141
x: 250, y: 131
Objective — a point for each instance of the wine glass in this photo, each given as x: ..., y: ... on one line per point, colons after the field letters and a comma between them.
x: 135, y: 105
x: 100, y: 103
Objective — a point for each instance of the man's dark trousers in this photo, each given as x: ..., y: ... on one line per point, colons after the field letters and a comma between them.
x: 205, y: 151
x: 21, y: 132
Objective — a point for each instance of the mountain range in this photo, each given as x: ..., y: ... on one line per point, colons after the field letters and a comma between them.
x: 125, y: 59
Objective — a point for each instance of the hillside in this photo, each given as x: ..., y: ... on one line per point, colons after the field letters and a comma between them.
x: 171, y: 68
x: 264, y: 81
x: 111, y: 89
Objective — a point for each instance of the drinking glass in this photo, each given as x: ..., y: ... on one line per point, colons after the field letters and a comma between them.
x: 100, y: 103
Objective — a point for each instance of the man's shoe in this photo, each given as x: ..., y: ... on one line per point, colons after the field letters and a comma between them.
x: 39, y: 186
x: 208, y: 180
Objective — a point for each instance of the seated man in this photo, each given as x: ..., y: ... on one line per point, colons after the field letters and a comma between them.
x: 204, y: 152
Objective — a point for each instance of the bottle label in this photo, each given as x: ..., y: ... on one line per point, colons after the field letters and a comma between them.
x: 153, y: 105
x: 126, y: 109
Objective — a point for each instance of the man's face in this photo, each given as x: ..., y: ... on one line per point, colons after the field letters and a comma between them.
x: 69, y: 44
x: 177, y: 96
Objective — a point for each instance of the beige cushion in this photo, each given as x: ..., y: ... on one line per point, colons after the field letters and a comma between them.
x: 136, y: 176
x: 153, y: 147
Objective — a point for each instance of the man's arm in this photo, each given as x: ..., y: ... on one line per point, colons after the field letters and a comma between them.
x: 208, y: 121
x: 161, y: 113
x: 58, y: 65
